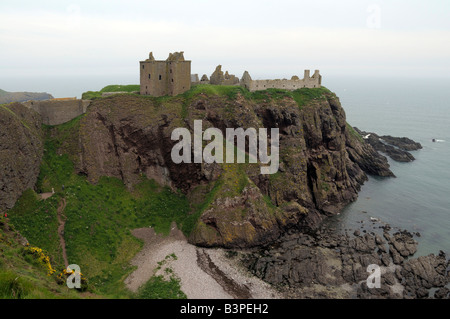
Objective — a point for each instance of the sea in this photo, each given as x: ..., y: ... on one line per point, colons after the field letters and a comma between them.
x: 417, y: 200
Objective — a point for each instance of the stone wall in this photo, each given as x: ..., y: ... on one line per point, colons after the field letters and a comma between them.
x: 294, y: 83
x: 55, y: 112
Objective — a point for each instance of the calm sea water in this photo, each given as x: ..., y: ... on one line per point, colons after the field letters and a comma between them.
x: 419, y: 198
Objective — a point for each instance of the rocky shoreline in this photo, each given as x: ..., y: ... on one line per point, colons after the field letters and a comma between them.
x: 396, y: 148
x: 329, y: 265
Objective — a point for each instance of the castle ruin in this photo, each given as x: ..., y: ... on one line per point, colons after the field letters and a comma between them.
x: 169, y: 77
x: 314, y: 81
x: 220, y: 78
x: 173, y: 76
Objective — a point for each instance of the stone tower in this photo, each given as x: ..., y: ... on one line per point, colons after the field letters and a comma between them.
x: 169, y: 77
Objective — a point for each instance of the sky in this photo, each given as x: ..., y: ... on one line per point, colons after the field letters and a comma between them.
x: 270, y: 39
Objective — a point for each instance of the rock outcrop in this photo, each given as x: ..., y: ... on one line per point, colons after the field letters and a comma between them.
x: 322, y: 165
x: 396, y: 148
x: 21, y: 150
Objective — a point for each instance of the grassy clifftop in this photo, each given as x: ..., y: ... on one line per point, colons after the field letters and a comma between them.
x: 91, y: 95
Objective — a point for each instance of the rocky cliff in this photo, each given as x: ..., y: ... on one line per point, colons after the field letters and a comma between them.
x: 323, y: 162
x: 21, y: 150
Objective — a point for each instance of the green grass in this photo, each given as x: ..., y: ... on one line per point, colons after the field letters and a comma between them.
x: 301, y: 96
x: 92, y: 95
x: 37, y: 221
x: 159, y: 288
x: 304, y: 95
x: 121, y: 88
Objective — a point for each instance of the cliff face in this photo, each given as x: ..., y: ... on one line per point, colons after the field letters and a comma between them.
x: 322, y: 162
x: 21, y: 150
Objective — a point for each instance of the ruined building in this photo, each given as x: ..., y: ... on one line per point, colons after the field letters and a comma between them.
x: 314, y: 81
x: 219, y: 78
x: 169, y: 77
x: 173, y: 76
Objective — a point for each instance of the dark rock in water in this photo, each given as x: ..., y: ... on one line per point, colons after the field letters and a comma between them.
x: 395, y: 147
x: 402, y: 143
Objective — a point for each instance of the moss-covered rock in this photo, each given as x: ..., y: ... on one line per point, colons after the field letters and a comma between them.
x: 21, y: 150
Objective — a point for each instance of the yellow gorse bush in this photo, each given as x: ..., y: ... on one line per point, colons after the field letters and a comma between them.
x: 41, y: 257
x: 64, y: 274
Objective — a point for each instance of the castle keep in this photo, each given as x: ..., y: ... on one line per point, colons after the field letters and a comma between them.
x: 169, y: 77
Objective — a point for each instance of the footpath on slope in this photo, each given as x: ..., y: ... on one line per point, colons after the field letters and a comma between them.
x: 61, y: 224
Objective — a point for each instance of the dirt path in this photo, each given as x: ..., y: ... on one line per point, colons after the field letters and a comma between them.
x: 204, y: 273
x: 62, y: 222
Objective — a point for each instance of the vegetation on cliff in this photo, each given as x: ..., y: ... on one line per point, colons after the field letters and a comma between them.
x: 92, y: 95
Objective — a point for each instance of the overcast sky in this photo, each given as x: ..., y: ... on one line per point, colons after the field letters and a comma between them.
x: 267, y: 38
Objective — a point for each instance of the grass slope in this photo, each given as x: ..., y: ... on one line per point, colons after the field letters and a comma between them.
x: 98, y: 217
x: 22, y: 276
